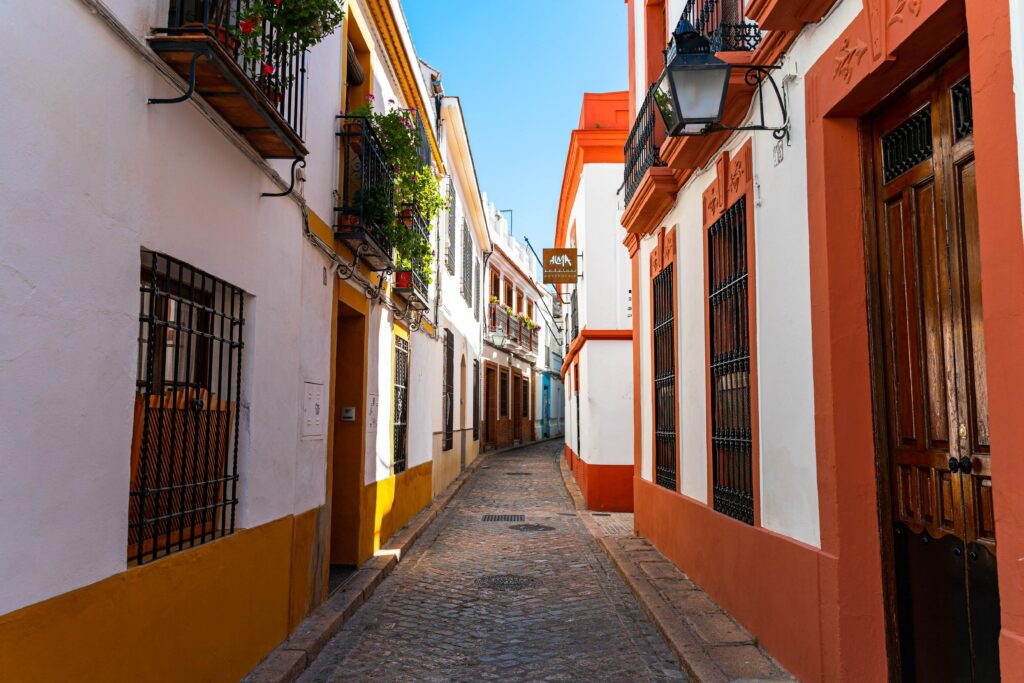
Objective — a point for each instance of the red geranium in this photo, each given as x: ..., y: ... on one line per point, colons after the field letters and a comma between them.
x: 246, y: 26
x: 268, y: 70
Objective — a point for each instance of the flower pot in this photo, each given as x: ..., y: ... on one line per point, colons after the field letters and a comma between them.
x: 403, y: 279
x: 219, y: 33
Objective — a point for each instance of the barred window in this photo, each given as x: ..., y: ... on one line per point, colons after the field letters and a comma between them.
x: 448, y: 390
x: 503, y: 397
x: 401, y: 404
x: 449, y: 250
x: 184, y: 457
x: 467, y: 264
x: 476, y: 289
x: 476, y: 400
x: 664, y: 378
x: 731, y: 442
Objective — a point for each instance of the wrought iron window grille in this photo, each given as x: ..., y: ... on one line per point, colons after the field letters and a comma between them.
x: 184, y: 458
x: 449, y: 248
x: 448, y: 391
x: 467, y: 264
x: 663, y: 292
x: 503, y: 398
x: 731, y: 433
x: 401, y: 405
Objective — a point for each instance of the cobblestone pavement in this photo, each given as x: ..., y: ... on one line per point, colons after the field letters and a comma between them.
x: 480, y: 601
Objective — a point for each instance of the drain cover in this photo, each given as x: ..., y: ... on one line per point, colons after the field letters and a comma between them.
x: 531, y: 527
x: 506, y: 582
x: 504, y: 518
x: 519, y: 474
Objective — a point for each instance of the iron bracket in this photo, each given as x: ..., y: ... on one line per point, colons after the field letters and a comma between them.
x: 191, y: 85
x: 298, y: 162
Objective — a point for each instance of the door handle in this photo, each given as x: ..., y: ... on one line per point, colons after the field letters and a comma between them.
x: 962, y: 464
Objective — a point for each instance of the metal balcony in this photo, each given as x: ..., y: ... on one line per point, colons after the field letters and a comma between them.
x: 366, y: 200
x: 641, y: 150
x: 724, y: 24
x: 263, y: 99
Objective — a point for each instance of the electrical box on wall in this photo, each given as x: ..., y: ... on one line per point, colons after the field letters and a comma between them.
x: 313, y: 410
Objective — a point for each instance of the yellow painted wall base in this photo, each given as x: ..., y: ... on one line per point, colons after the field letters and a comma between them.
x: 388, y: 504
x: 210, y: 613
x: 448, y: 464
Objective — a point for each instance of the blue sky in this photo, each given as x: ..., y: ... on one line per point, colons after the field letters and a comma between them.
x: 520, y: 69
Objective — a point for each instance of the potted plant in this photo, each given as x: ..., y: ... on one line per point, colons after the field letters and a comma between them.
x: 305, y: 22
x: 415, y: 188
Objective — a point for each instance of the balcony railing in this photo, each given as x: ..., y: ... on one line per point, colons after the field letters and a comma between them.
x: 411, y: 282
x: 366, y: 199
x: 724, y: 24
x: 262, y: 97
x: 641, y: 150
x: 518, y: 335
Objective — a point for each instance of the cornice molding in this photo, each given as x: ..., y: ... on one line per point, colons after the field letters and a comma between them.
x: 654, y: 197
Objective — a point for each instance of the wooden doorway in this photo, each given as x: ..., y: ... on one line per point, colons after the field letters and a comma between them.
x: 490, y: 405
x: 517, y: 401
x: 349, y: 424
x: 929, y: 369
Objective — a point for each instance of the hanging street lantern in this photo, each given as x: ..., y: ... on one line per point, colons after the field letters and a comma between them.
x: 498, y: 337
x: 690, y: 94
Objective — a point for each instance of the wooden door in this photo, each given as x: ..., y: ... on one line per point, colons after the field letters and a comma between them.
x: 517, y: 402
x: 932, y: 365
x: 490, y: 406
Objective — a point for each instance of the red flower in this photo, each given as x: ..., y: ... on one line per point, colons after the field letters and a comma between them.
x: 278, y: 2
x: 268, y: 70
x: 246, y: 26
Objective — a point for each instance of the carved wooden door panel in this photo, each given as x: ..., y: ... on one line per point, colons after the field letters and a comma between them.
x: 933, y: 366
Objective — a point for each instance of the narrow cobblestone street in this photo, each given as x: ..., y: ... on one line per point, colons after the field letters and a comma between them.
x: 521, y: 600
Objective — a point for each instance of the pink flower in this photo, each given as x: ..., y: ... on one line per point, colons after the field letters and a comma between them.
x: 369, y: 97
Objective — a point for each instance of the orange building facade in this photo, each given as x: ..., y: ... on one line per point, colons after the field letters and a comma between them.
x: 823, y: 348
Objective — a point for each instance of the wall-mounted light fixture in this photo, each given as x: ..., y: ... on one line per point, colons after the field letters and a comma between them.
x: 690, y: 94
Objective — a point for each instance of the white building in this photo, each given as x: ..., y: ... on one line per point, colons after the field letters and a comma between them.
x: 209, y: 397
x: 598, y: 365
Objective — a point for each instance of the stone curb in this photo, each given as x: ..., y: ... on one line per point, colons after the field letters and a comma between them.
x: 691, y: 654
x: 288, y: 660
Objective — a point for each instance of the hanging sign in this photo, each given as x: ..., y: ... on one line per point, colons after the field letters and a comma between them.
x: 560, y: 266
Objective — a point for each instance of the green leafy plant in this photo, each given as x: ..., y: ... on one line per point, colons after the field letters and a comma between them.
x: 415, y: 186
x: 494, y: 299
x: 297, y: 25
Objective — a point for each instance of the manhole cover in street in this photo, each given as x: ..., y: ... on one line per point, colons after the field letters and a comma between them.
x: 519, y: 474
x: 531, y: 527
x: 506, y: 582
x: 504, y: 518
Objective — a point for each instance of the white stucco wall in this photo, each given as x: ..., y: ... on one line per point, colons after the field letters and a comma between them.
x: 91, y: 176
x: 643, y: 311
x: 606, y: 402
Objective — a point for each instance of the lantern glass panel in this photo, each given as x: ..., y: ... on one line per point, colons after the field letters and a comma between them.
x: 699, y: 90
